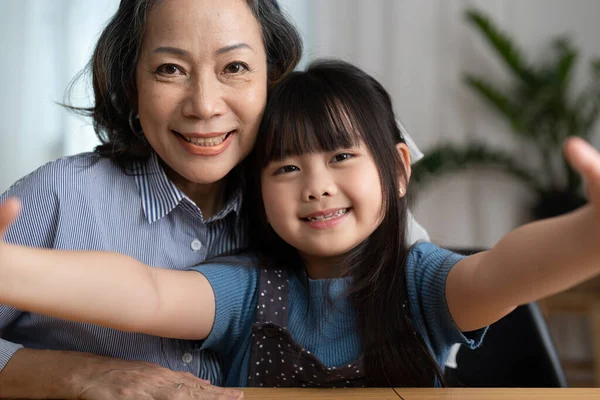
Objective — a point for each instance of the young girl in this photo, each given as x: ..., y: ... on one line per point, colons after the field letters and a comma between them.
x: 327, y: 184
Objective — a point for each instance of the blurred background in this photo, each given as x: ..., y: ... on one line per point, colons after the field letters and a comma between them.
x: 422, y: 51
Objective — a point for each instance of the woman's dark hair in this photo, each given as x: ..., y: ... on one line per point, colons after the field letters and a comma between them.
x: 113, y: 69
x: 334, y: 105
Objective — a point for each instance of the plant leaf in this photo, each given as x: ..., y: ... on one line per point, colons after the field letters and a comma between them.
x: 567, y: 57
x: 499, y: 102
x: 503, y: 45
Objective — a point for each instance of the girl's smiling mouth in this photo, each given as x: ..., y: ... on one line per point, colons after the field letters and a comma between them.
x: 326, y: 219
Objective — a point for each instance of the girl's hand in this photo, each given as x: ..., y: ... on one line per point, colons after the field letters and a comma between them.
x: 585, y: 159
x: 8, y: 213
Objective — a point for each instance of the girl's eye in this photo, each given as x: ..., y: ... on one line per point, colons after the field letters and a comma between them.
x: 286, y: 169
x: 342, y: 157
x: 236, y: 67
x: 168, y: 69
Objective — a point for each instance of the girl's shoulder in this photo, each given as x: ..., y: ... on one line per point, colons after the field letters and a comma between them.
x: 427, y: 268
x: 229, y: 269
x: 427, y: 252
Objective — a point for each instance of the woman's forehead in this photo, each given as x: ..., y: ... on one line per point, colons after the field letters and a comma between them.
x: 203, y: 26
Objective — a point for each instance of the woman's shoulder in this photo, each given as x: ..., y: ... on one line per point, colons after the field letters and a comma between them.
x: 66, y: 173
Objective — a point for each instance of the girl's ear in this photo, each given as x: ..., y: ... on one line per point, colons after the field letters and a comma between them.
x: 405, y: 158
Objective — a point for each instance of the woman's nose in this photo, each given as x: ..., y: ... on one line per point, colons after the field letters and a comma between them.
x: 205, y: 98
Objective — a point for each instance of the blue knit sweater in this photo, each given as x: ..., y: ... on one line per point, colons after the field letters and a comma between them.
x: 328, y: 332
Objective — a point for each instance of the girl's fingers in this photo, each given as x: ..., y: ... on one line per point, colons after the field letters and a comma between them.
x: 585, y: 159
x: 8, y: 213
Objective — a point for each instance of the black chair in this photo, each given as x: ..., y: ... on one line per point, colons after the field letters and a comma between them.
x: 517, y: 351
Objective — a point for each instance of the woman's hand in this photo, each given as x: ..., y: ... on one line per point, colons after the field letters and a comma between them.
x: 51, y: 374
x: 113, y: 379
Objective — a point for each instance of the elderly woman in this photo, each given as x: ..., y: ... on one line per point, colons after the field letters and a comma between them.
x: 180, y: 87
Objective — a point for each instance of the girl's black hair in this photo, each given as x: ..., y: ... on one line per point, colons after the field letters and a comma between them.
x: 113, y: 69
x: 329, y: 106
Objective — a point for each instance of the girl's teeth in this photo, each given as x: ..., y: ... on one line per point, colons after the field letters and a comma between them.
x: 328, y: 216
x: 214, y: 141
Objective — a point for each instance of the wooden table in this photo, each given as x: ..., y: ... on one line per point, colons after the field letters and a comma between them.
x: 422, y: 394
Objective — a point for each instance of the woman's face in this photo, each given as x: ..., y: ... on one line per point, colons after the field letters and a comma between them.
x: 202, y: 86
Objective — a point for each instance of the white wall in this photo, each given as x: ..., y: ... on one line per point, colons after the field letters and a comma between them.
x: 418, y: 50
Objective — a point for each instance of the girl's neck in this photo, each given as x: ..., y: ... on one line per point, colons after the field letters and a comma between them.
x: 322, y: 267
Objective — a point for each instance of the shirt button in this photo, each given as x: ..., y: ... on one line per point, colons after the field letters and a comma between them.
x: 196, y: 245
x: 187, y: 358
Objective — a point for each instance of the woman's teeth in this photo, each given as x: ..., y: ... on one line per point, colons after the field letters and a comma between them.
x: 207, y: 142
x: 326, y: 217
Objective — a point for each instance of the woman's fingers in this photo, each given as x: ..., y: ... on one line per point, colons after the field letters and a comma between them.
x: 8, y: 213
x: 113, y: 379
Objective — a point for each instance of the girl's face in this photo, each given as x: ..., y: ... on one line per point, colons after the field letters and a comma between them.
x: 202, y: 86
x: 323, y: 204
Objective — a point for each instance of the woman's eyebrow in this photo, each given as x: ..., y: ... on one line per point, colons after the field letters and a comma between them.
x: 232, y: 47
x: 171, y: 50
x: 180, y: 52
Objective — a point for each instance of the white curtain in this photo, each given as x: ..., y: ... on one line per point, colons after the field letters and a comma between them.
x: 44, y: 44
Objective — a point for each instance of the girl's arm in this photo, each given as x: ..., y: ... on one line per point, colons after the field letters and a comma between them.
x: 107, y: 289
x: 535, y: 260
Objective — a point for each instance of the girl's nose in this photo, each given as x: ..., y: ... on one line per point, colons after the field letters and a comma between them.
x: 317, y: 188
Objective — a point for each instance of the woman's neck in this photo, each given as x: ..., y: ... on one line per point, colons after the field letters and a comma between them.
x: 209, y: 197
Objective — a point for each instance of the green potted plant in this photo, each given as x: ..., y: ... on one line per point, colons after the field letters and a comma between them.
x: 542, y: 111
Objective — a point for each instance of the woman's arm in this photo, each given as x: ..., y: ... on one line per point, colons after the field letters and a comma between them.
x: 52, y: 374
x: 107, y: 289
x: 535, y: 260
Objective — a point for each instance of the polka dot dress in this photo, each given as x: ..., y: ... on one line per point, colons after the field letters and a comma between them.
x: 276, y: 359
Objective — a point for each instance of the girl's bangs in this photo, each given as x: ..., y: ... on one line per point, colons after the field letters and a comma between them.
x: 307, y: 118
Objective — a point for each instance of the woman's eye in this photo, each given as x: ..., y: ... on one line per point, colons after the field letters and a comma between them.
x: 236, y: 68
x: 342, y: 157
x: 168, y: 69
x: 286, y: 169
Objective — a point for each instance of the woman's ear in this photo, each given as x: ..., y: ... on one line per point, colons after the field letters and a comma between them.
x: 405, y: 158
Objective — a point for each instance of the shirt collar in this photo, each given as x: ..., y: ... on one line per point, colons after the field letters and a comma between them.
x: 159, y: 195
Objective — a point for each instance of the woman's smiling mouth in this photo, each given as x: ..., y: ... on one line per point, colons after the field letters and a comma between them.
x: 206, y: 140
x: 207, y: 144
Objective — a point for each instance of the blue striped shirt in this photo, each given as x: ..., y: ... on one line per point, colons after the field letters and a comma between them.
x: 85, y: 202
